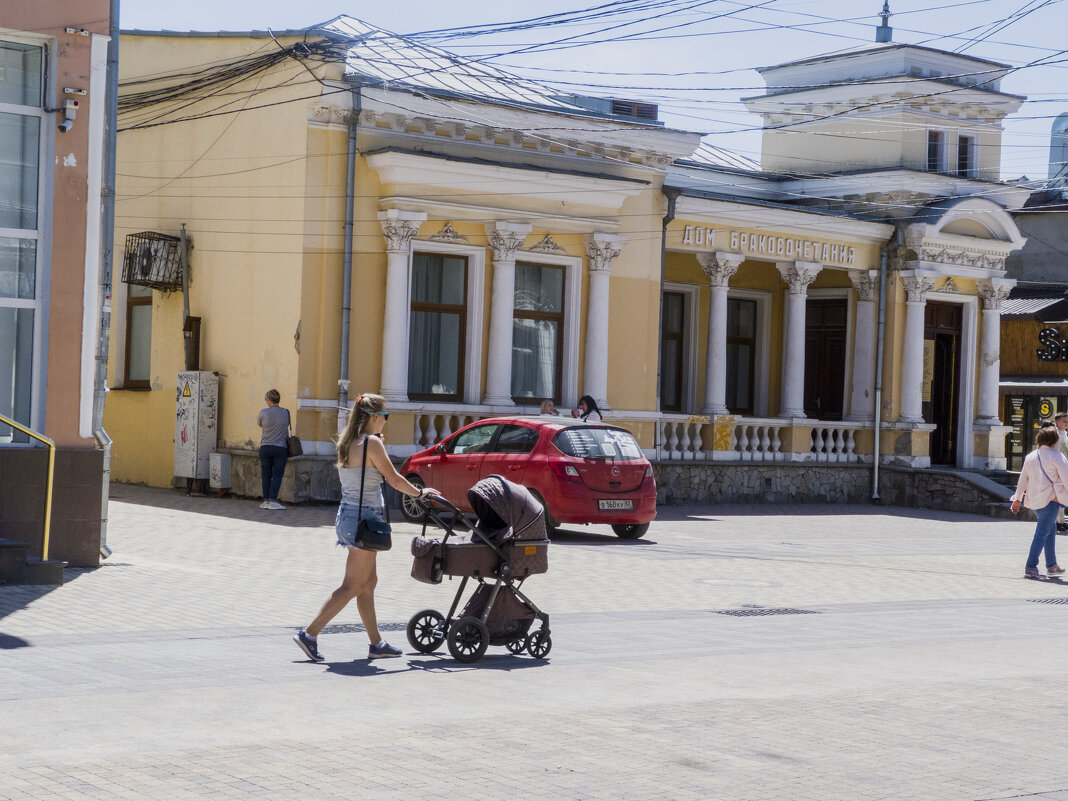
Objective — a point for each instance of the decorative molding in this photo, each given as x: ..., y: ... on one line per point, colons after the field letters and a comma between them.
x: 994, y: 292
x: 601, y: 249
x: 448, y: 234
x: 398, y: 233
x: 917, y: 285
x: 798, y: 275
x: 866, y: 282
x: 950, y: 286
x: 547, y: 245
x: 719, y: 266
x: 506, y: 238
x: 962, y: 257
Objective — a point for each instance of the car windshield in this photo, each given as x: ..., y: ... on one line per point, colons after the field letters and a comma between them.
x: 597, y: 443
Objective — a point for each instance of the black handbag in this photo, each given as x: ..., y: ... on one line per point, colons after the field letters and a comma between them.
x: 371, y: 535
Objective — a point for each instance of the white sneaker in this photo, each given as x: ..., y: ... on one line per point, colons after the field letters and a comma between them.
x: 274, y: 505
x: 265, y: 505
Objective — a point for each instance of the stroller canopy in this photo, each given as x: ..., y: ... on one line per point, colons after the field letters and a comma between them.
x: 506, y: 510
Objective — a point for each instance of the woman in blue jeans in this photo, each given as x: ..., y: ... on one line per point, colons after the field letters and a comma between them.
x: 275, y: 422
x: 1043, y: 486
x: 362, y: 465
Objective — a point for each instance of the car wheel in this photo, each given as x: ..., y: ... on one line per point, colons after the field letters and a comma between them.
x: 412, y: 509
x: 550, y: 524
x: 630, y: 531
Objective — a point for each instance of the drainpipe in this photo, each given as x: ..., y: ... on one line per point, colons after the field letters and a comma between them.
x: 107, y: 242
x: 672, y: 195
x: 880, y: 346
x: 346, y: 281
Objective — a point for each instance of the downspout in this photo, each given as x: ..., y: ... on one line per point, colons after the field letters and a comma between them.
x: 672, y: 195
x: 880, y: 345
x: 107, y: 242
x: 346, y: 280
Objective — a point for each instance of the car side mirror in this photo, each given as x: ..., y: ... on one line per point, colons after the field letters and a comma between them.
x: 440, y: 448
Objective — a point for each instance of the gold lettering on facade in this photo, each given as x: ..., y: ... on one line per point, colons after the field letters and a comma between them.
x: 779, y: 247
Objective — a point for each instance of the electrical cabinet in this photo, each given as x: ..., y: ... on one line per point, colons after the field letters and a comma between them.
x: 196, y: 423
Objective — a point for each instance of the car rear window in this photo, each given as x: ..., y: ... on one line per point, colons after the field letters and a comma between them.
x: 597, y: 443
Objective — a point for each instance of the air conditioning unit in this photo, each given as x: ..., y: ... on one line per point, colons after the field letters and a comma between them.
x: 153, y: 260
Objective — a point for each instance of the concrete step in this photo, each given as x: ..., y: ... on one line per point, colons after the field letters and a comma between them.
x: 48, y: 571
x: 13, y: 561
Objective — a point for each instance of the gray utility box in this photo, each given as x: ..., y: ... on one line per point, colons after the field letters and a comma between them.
x: 196, y: 423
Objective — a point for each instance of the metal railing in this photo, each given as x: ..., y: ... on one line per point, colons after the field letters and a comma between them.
x: 51, y: 472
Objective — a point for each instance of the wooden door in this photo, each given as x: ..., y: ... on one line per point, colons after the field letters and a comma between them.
x: 825, y: 354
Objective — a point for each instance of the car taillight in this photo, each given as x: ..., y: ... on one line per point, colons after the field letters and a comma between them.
x: 649, y: 472
x: 564, y: 469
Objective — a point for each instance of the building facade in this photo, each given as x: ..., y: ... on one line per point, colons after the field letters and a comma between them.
x: 502, y: 244
x: 53, y: 60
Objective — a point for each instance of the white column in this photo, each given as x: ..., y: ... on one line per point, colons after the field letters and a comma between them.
x: 505, y: 239
x: 798, y: 275
x: 917, y: 284
x: 994, y: 292
x: 398, y: 227
x: 601, y: 249
x: 861, y: 399
x: 719, y: 267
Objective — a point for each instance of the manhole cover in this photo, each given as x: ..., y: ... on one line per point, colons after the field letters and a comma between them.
x: 764, y: 612
x: 353, y: 628
x: 1047, y: 600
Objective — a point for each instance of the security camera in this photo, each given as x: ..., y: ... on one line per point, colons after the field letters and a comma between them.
x: 66, y: 125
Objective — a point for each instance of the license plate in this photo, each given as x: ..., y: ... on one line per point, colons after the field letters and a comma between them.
x: 606, y: 505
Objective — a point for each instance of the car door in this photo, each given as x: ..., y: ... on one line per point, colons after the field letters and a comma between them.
x: 510, y: 453
x: 457, y: 467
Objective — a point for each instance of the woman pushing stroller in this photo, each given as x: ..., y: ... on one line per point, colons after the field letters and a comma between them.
x: 362, y: 465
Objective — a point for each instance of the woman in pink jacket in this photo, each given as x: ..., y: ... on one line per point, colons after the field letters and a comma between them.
x: 1044, y: 484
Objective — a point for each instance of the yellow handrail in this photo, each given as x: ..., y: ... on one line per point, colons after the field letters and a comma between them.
x: 51, y: 470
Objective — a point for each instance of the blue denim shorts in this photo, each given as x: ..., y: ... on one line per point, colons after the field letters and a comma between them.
x: 348, y: 518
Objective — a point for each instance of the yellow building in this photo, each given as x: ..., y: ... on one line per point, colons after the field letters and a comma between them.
x: 504, y: 244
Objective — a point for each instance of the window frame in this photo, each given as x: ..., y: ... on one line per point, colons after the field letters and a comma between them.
x: 460, y: 310
x: 761, y: 366
x: 942, y: 143
x: 692, y: 296
x: 966, y: 148
x: 559, y: 317
x: 133, y: 302
x: 40, y: 234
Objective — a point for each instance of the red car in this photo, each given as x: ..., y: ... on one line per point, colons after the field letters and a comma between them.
x: 580, y: 472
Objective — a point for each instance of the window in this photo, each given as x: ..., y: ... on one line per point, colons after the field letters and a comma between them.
x: 21, y: 118
x: 597, y: 443
x: 474, y: 440
x: 934, y: 151
x: 672, y: 342
x: 138, y: 337
x: 516, y: 439
x: 965, y: 157
x: 741, y: 354
x: 438, y: 327
x: 537, y: 332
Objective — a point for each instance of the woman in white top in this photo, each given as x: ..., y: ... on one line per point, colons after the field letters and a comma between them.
x: 587, y: 410
x: 362, y: 433
x: 1044, y: 485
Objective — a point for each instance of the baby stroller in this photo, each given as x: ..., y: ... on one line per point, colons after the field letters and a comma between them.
x: 507, y: 544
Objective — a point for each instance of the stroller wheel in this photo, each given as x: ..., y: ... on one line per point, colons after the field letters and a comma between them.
x: 516, y: 646
x: 539, y: 643
x: 425, y: 631
x: 468, y: 639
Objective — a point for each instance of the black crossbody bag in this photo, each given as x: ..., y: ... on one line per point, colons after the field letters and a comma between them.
x: 371, y: 535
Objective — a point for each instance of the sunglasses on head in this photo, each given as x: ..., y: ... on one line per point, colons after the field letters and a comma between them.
x: 385, y: 415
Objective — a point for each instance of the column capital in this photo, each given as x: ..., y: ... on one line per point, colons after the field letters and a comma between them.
x: 601, y: 249
x: 506, y: 238
x: 719, y: 266
x: 798, y: 275
x: 866, y: 282
x: 917, y: 284
x: 399, y: 227
x: 994, y: 292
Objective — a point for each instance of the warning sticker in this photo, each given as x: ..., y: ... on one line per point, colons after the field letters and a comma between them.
x: 185, y: 392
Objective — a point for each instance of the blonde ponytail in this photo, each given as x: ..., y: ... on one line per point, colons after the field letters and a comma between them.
x: 362, y: 410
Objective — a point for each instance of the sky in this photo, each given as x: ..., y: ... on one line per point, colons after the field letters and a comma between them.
x: 695, y: 58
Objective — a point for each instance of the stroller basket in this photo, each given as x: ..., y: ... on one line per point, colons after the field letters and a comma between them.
x: 434, y: 559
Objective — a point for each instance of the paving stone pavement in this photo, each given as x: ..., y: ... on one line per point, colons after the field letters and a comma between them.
x: 917, y: 665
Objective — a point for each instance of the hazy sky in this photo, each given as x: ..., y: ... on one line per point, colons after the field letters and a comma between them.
x: 704, y: 52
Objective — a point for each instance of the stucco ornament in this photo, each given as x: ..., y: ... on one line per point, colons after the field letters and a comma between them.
x: 993, y: 295
x: 504, y: 244
x: 398, y: 234
x: 719, y: 267
x: 917, y: 287
x: 866, y: 282
x: 798, y: 276
x: 547, y: 245
x: 601, y: 254
x: 448, y: 234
